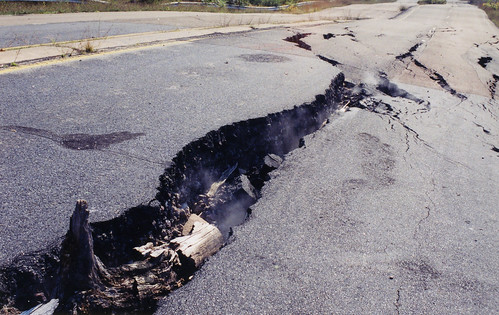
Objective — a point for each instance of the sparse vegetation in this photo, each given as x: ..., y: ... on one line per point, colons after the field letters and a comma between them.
x: 432, y: 1
x: 403, y: 8
x: 264, y: 3
x: 89, y: 48
x: 491, y: 7
x: 494, y: 5
x: 28, y: 7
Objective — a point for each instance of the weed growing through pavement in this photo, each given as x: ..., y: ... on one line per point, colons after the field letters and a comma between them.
x: 14, y: 63
x: 89, y: 48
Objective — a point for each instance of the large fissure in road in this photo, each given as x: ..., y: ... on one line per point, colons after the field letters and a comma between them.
x: 242, y: 152
x: 126, y: 264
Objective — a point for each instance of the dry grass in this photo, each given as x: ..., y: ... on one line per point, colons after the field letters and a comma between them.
x: 89, y: 48
x: 321, y: 5
x: 19, y: 8
x: 432, y: 1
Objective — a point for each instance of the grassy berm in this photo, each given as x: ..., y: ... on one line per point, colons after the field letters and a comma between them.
x: 491, y: 7
x: 19, y: 8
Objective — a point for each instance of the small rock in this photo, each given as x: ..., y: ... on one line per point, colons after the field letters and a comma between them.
x: 272, y: 161
x: 248, y: 188
x: 301, y: 143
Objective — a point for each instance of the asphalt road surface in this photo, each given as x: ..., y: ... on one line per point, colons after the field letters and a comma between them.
x: 52, y: 28
x: 388, y: 209
x: 150, y: 102
x: 22, y: 35
x: 393, y: 211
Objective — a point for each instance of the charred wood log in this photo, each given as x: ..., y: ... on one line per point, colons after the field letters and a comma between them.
x: 189, y: 225
x: 204, y: 241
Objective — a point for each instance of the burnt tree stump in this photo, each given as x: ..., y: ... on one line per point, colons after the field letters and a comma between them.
x: 80, y: 269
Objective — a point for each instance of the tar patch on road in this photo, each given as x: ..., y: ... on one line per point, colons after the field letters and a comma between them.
x: 264, y: 58
x: 78, y: 141
x: 81, y: 141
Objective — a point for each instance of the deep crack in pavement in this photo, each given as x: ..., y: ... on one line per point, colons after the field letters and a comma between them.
x: 437, y: 77
x: 409, y: 53
x: 245, y: 152
x: 297, y: 39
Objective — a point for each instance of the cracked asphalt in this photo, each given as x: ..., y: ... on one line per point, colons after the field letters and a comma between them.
x: 157, y: 99
x: 390, y: 208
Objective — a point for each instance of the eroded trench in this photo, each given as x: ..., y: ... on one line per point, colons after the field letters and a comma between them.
x: 217, y: 177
